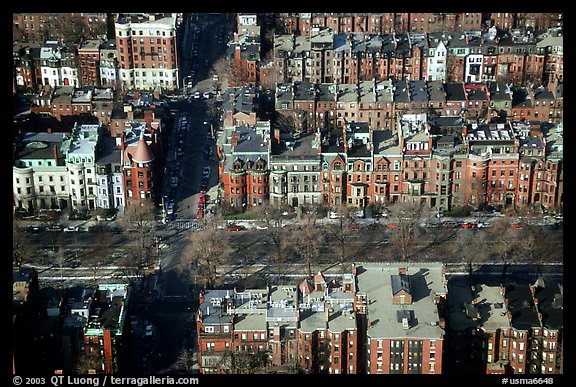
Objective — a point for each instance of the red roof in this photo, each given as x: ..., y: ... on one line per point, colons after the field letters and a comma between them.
x: 142, y: 154
x: 305, y: 287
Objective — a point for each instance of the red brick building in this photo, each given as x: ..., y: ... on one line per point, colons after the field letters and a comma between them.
x: 147, y: 55
x: 393, y: 314
x: 88, y: 58
x: 138, y: 166
x: 244, y: 168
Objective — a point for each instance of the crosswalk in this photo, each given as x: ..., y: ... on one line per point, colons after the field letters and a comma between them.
x: 185, y: 224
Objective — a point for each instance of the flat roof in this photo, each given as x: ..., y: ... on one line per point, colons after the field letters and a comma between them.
x: 250, y: 322
x: 426, y: 281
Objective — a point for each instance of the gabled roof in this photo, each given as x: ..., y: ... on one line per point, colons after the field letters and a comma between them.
x: 305, y: 287
x: 400, y: 282
x: 319, y: 278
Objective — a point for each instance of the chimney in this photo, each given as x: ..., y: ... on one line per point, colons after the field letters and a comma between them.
x: 148, y: 117
x: 235, y: 138
x: 277, y: 135
x: 345, y: 140
x: 401, y: 270
x: 55, y: 155
x: 129, y: 112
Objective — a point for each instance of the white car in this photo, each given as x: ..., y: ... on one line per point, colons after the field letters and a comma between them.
x: 71, y: 229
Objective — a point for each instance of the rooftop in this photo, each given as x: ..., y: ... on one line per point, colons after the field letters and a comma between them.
x: 551, y: 305
x: 426, y: 281
x: 521, y: 305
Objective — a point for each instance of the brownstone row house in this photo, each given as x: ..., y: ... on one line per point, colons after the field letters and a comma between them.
x: 325, y: 55
x: 508, y: 329
x: 399, y: 22
x: 317, y: 325
x: 435, y: 159
x: 82, y: 329
x: 64, y: 63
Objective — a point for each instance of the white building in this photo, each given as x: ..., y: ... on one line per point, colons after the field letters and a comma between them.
x: 436, y: 61
x: 80, y: 151
x: 58, y: 65
x: 473, y: 68
x: 108, y: 65
x: 39, y: 173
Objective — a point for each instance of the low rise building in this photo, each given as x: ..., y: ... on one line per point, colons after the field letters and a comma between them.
x: 402, y: 304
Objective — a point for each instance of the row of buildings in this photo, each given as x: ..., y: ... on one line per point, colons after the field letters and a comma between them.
x: 85, y: 168
x: 402, y: 22
x: 81, y: 330
x: 377, y: 318
x: 386, y: 318
x: 327, y: 49
x: 141, y: 55
x: 438, y: 160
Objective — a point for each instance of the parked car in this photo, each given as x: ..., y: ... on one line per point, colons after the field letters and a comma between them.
x: 235, y: 227
x: 517, y: 225
x: 71, y: 229
x: 469, y: 225
x: 391, y: 225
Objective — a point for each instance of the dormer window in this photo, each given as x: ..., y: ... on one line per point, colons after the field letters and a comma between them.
x: 260, y: 164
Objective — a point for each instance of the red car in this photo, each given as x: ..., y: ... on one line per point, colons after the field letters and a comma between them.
x: 469, y: 225
x: 200, y: 214
x: 517, y: 225
x: 235, y: 227
x: 390, y: 225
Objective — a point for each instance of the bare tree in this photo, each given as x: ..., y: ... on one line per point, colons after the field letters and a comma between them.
x: 139, y: 220
x: 184, y: 361
x: 272, y: 218
x: 308, y: 239
x: 470, y: 247
x: 22, y: 252
x: 206, y: 250
x: 99, y: 252
x: 405, y: 235
x: 341, y: 231
x: 505, y: 243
